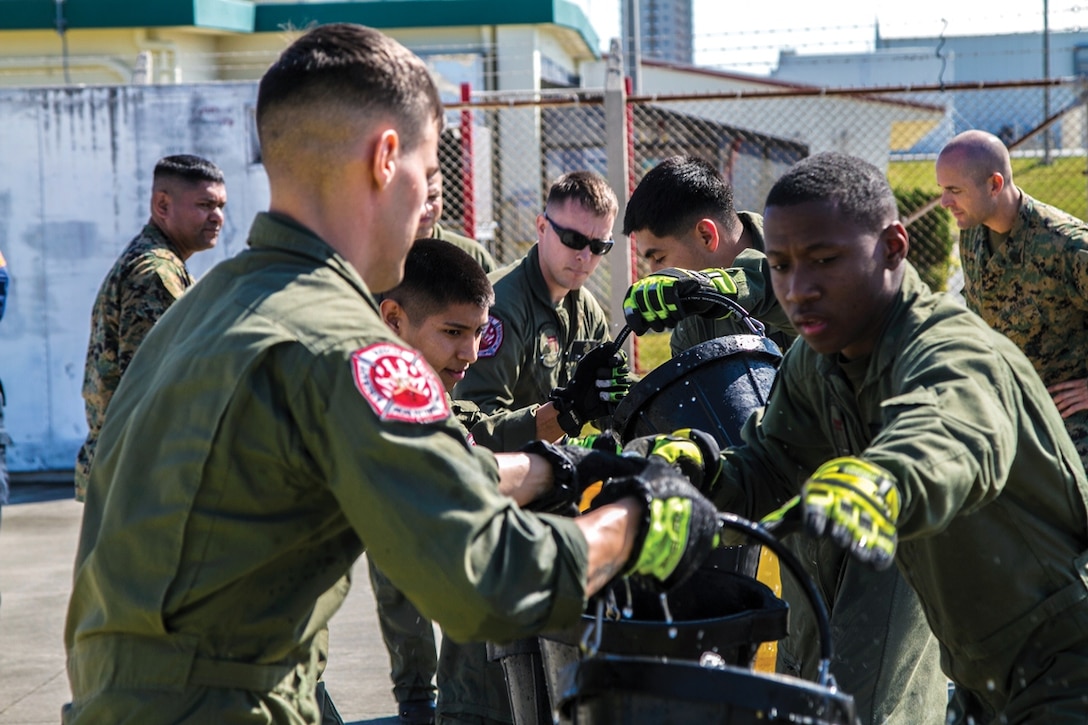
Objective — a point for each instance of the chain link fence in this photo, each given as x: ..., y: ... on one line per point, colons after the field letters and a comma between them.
x: 498, y: 175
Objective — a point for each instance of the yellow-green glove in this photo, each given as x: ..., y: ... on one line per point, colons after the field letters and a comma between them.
x: 679, y: 526
x: 694, y: 453
x: 664, y: 298
x: 856, y: 503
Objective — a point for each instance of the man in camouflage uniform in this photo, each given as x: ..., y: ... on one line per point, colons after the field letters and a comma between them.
x: 429, y: 226
x: 543, y: 321
x: 682, y: 216
x: 187, y: 199
x: 1025, y: 269
x: 272, y: 428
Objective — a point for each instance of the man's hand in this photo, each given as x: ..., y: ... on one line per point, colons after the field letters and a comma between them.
x: 664, y: 298
x: 574, y: 469
x: 694, y: 453
x: 857, y: 504
x: 1070, y: 396
x: 679, y: 526
x: 600, y: 380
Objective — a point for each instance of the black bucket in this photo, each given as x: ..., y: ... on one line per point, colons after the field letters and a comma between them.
x: 713, y: 386
x: 648, y: 691
x: 526, y: 684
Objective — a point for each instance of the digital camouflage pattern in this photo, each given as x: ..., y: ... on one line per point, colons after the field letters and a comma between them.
x: 1034, y: 290
x: 146, y: 279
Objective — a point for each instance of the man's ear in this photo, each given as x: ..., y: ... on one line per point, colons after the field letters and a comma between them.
x: 541, y: 224
x: 392, y: 314
x: 386, y: 155
x: 706, y: 230
x: 997, y: 183
x: 896, y: 243
x: 160, y: 204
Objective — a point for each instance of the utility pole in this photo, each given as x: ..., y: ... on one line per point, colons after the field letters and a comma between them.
x: 632, y: 44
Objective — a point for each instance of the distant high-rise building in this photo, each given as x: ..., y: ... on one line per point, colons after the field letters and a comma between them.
x: 665, y: 29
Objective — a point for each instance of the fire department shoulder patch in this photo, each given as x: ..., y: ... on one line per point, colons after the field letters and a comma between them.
x: 398, y: 384
x: 491, y: 340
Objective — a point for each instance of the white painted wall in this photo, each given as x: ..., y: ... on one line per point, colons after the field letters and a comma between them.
x: 74, y: 189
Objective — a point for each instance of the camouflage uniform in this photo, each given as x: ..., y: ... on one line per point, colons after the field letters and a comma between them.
x: 531, y: 346
x: 993, y: 533
x: 146, y: 279
x: 752, y: 275
x: 474, y: 249
x: 1034, y: 290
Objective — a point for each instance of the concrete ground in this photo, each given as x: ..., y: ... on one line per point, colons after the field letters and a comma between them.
x: 38, y: 534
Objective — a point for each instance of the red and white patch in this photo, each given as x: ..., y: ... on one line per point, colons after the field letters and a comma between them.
x: 398, y: 384
x: 491, y: 340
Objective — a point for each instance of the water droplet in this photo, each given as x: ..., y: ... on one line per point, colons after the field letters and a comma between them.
x: 628, y: 612
x: 672, y: 632
x: 990, y: 685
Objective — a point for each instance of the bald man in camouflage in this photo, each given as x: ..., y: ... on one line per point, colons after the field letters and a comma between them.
x: 1025, y: 268
x: 187, y: 199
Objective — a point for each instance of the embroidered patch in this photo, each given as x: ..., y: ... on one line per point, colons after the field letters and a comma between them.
x: 549, y: 347
x: 398, y: 384
x: 491, y: 340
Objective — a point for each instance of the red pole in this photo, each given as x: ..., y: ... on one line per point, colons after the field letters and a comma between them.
x: 468, y: 183
x: 629, y: 134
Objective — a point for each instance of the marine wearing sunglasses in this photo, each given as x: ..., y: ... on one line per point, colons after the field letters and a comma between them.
x: 576, y: 240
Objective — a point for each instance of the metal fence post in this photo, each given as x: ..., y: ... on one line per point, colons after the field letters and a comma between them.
x: 615, y: 122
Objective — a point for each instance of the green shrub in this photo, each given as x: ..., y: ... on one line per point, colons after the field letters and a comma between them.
x: 931, y: 237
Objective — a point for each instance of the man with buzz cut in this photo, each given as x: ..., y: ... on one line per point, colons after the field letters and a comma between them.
x: 213, y: 541
x: 681, y: 217
x: 188, y: 195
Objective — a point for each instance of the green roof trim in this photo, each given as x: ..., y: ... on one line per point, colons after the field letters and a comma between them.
x: 229, y: 15
x: 274, y: 17
x: 245, y: 16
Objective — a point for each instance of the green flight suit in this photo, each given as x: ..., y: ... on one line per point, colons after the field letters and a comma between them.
x: 268, y: 430
x: 1033, y: 288
x: 531, y: 345
x: 752, y: 275
x: 993, y: 531
x: 146, y: 279
x: 467, y: 244
x: 408, y: 638
x: 885, y: 655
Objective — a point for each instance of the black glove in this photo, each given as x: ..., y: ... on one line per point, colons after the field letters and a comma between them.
x: 665, y: 297
x: 575, y: 468
x: 679, y: 526
x: 600, y: 380
x: 694, y: 453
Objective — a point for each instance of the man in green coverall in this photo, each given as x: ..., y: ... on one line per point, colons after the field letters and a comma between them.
x: 918, y: 436
x: 430, y: 226
x: 211, y: 540
x: 682, y: 216
x: 544, y: 321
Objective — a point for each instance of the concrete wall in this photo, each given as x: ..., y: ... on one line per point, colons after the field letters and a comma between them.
x: 74, y: 189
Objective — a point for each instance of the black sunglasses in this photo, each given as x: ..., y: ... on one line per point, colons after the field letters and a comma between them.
x: 577, y: 240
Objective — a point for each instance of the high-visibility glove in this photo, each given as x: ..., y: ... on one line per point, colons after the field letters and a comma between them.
x: 604, y: 441
x: 600, y: 380
x: 694, y: 453
x: 574, y: 469
x: 856, y: 503
x: 664, y: 298
x: 679, y: 526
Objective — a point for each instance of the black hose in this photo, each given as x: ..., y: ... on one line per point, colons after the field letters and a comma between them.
x: 722, y: 300
x: 763, y: 536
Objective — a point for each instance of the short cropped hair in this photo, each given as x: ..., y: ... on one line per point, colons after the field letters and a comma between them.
x: 588, y: 188
x: 676, y: 194
x: 187, y: 167
x: 860, y: 189
x: 344, y: 71
x: 438, y: 274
